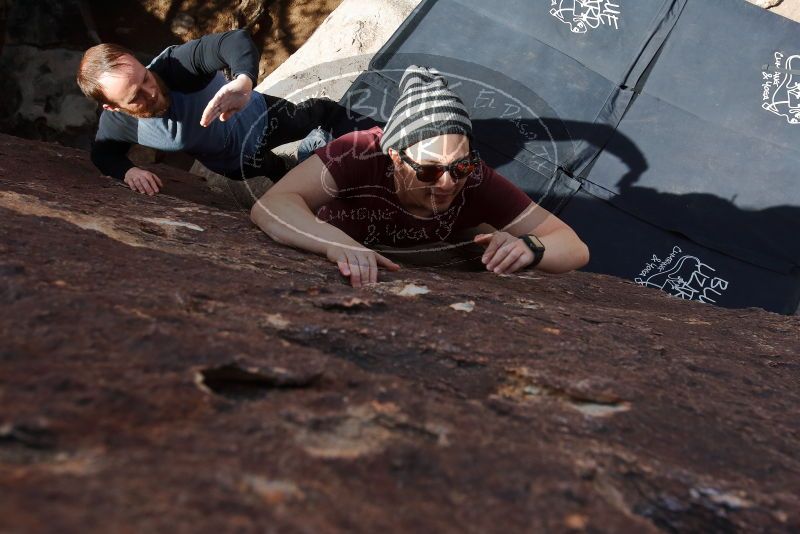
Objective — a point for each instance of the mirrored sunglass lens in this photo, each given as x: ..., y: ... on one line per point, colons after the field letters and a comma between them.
x: 463, y: 169
x: 429, y: 173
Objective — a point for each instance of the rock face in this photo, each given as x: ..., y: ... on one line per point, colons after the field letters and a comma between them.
x: 41, y: 99
x: 339, y: 50
x: 767, y: 4
x: 39, y: 58
x: 163, y: 364
x: 42, y: 23
x: 787, y: 8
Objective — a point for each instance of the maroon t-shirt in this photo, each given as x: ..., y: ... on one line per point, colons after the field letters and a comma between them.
x: 367, y: 208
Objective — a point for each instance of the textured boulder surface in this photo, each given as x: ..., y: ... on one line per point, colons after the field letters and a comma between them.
x: 339, y: 50
x: 164, y: 366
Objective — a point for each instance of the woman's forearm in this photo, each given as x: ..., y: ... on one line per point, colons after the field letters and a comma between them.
x: 564, y: 251
x: 287, y: 219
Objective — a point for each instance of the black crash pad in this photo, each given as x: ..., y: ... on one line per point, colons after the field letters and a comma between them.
x: 646, y: 125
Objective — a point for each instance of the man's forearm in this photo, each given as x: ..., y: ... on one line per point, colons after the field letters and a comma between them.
x: 110, y: 157
x: 240, y: 54
x: 234, y: 50
x: 287, y: 219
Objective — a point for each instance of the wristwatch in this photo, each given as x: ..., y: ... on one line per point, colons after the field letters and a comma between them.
x: 536, y: 247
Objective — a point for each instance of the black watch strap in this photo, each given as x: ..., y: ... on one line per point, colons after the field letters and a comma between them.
x: 536, y: 247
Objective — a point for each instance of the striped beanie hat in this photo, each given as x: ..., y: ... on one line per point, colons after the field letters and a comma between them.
x: 426, y: 108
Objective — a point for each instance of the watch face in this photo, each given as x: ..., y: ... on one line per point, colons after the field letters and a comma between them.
x: 536, y: 242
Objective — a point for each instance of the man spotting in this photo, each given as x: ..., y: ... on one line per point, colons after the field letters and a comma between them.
x: 173, y: 105
x: 416, y: 181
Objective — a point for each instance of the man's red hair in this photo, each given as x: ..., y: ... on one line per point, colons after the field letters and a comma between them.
x: 97, y: 61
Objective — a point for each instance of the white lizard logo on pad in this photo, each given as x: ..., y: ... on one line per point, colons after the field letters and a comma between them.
x: 583, y: 15
x: 781, y: 87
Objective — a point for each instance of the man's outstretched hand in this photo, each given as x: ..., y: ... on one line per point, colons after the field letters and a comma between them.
x: 359, y: 265
x: 143, y: 181
x: 232, y: 97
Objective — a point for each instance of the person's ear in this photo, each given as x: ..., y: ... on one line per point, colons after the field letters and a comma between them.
x: 395, y: 155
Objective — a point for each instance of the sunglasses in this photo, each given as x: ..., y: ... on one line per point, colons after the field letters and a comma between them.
x: 460, y: 169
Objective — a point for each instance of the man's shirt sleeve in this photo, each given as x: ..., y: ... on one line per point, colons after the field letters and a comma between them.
x: 189, y: 67
x: 115, y: 135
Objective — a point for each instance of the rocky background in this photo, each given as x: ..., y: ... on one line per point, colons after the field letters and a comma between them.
x: 43, y: 40
x: 165, y: 367
x: 787, y: 8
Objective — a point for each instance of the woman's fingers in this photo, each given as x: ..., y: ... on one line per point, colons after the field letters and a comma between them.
x: 373, y: 268
x: 522, y: 262
x: 383, y: 261
x: 355, y: 275
x: 499, y: 255
x: 497, y: 241
x: 513, y: 255
x: 363, y: 267
x: 355, y: 270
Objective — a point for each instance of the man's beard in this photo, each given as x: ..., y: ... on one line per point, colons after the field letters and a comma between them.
x: 158, y: 109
